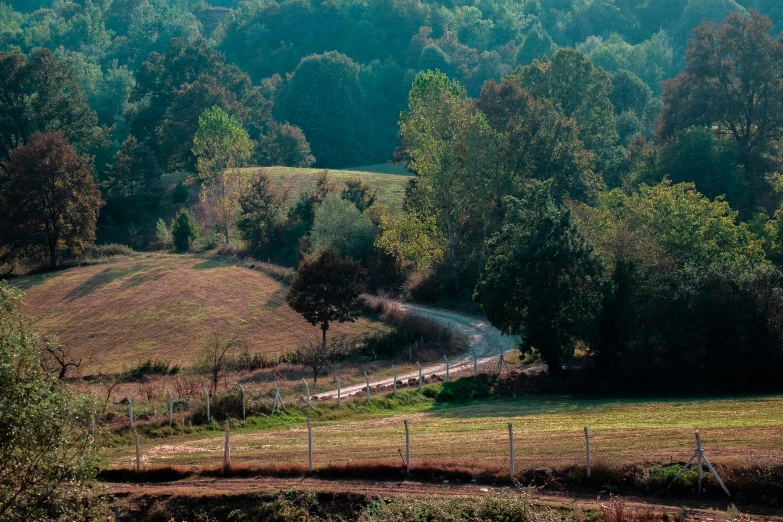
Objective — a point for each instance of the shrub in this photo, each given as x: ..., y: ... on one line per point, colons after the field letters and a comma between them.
x: 110, y: 250
x: 151, y: 367
x: 180, y: 194
x: 184, y: 231
x: 163, y: 239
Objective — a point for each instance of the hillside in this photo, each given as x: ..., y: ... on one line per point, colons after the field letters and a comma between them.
x: 390, y: 187
x: 162, y: 306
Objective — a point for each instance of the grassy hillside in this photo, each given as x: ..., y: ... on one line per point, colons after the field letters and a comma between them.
x: 390, y: 187
x: 163, y: 306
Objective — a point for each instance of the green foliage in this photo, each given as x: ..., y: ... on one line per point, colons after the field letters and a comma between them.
x: 339, y: 226
x: 325, y: 99
x: 47, y: 458
x: 542, y: 280
x: 180, y: 194
x: 359, y: 193
x: 184, y: 231
x: 260, y: 214
x: 284, y: 145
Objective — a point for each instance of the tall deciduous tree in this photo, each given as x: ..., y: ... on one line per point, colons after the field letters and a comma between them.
x: 579, y: 91
x: 284, y: 145
x: 222, y: 147
x: 733, y: 82
x: 135, y: 173
x: 327, y: 289
x: 40, y: 93
x: 445, y: 139
x: 49, y: 199
x: 542, y: 279
x: 325, y: 99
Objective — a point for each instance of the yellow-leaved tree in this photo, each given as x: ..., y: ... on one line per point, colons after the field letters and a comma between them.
x: 222, y: 147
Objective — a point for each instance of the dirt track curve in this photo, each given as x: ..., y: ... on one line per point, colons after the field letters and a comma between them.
x: 486, y: 342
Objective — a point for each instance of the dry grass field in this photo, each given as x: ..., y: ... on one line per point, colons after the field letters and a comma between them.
x: 163, y: 306
x: 548, y: 432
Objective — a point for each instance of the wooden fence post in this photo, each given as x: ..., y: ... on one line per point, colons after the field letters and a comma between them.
x: 420, y: 379
x: 130, y: 412
x: 587, y: 449
x: 395, y: 378
x: 171, y: 407
x: 92, y: 422
x: 227, y: 449
x: 511, y: 451
x: 242, y: 391
x: 367, y: 379
x: 407, y: 449
x: 337, y: 380
x: 206, y: 394
x: 699, y: 458
x: 447, y: 367
x: 309, y: 445
x: 138, y: 450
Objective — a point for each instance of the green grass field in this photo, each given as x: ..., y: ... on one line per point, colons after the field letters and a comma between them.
x: 548, y: 432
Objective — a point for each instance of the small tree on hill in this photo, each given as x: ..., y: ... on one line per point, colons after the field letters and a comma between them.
x: 262, y: 209
x: 216, y: 353
x: 327, y: 289
x: 184, y: 231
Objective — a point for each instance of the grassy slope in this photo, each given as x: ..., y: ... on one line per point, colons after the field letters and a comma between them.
x: 390, y: 187
x: 162, y: 306
x: 548, y: 432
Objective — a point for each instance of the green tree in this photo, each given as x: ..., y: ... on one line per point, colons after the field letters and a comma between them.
x: 135, y: 173
x: 696, y: 155
x: 340, y: 227
x: 47, y: 457
x: 325, y: 99
x: 222, y: 147
x: 445, y: 139
x: 41, y: 94
x: 261, y: 212
x: 733, y: 81
x: 184, y: 231
x: 579, y: 91
x: 49, y: 199
x: 539, y: 143
x: 327, y: 289
x: 542, y: 280
x: 284, y: 145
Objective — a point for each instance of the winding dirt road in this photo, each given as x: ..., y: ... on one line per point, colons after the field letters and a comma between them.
x: 486, y: 342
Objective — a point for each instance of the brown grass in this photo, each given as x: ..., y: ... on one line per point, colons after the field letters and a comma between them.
x: 162, y: 306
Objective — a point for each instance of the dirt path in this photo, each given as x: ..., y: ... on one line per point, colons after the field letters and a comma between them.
x: 703, y: 509
x: 486, y: 342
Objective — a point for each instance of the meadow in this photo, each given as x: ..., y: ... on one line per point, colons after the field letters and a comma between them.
x: 548, y: 429
x: 163, y: 306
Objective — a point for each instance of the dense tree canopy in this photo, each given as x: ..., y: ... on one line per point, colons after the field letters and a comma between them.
x: 49, y: 199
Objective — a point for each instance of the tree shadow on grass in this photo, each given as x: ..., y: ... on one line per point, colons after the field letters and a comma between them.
x: 101, y: 279
x: 209, y: 264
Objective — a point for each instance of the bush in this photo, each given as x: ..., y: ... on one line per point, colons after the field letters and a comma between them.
x: 184, y: 231
x: 110, y: 250
x: 163, y: 238
x: 180, y: 194
x: 151, y: 367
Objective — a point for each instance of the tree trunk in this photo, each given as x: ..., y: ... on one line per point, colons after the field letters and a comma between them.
x: 52, y: 254
x: 324, y: 327
x: 450, y: 231
x: 315, y: 376
x: 554, y: 363
x: 225, y: 233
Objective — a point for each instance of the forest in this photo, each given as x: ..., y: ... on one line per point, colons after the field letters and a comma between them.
x: 599, y: 176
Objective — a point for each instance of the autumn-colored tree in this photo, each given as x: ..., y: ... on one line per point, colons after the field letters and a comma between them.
x: 327, y: 289
x: 49, y: 199
x: 359, y: 193
x: 733, y: 82
x: 222, y: 147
